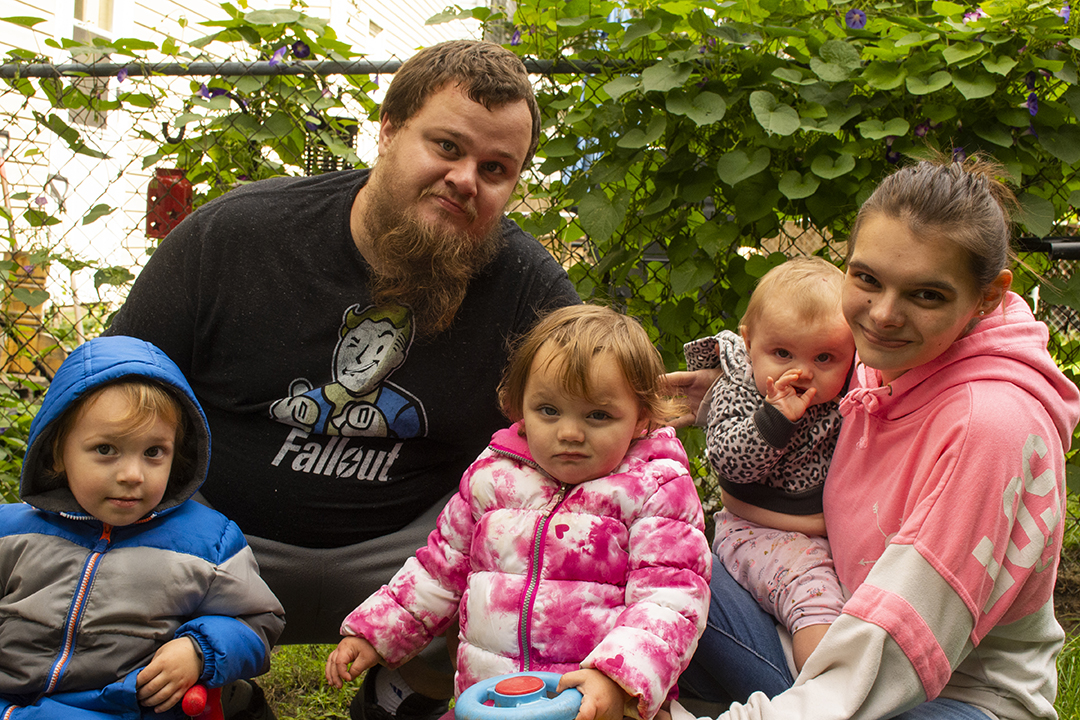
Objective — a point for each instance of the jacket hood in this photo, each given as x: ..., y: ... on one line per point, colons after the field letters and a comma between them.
x: 1008, y: 346
x: 90, y: 366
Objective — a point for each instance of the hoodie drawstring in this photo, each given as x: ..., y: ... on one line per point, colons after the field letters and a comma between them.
x: 867, y: 399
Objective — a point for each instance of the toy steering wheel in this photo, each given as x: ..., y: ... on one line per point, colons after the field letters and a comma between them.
x: 518, y: 696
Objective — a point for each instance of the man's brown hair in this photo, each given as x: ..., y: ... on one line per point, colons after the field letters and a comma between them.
x: 487, y: 73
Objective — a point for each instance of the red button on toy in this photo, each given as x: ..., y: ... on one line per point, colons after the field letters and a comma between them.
x: 519, y: 685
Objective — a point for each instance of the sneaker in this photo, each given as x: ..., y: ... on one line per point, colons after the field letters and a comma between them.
x: 364, y: 705
x: 244, y: 700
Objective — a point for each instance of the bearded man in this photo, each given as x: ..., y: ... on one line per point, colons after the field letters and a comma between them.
x: 346, y: 333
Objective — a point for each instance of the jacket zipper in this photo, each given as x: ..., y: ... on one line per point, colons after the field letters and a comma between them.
x: 78, y: 606
x: 533, y: 581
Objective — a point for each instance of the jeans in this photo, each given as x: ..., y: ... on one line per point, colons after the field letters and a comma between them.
x: 740, y: 653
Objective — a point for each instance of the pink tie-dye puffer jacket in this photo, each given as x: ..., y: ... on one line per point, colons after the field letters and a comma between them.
x: 611, y: 574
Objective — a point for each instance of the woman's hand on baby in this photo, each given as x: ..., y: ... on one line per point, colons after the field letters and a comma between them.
x: 601, y: 697
x: 781, y: 395
x: 175, y: 667
x: 690, y: 387
x: 350, y: 658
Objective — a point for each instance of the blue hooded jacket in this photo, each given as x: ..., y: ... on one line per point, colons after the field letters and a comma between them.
x: 85, y: 605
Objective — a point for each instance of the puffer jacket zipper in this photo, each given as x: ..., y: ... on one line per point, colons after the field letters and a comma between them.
x: 78, y: 606
x: 536, y: 562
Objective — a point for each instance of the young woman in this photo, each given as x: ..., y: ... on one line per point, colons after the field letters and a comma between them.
x: 944, y: 500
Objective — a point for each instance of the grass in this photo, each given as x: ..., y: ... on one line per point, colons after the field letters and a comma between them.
x: 1068, y: 699
x: 296, y: 685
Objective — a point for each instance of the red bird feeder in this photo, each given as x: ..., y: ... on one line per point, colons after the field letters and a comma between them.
x: 168, y: 201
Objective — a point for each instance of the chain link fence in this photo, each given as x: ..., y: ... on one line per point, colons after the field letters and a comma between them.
x: 88, y: 192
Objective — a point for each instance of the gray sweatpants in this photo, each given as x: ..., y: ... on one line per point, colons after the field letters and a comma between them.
x: 320, y: 586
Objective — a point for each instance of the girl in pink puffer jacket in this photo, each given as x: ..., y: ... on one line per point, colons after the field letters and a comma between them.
x: 575, y: 543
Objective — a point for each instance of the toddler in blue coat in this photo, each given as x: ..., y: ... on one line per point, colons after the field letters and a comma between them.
x: 118, y: 592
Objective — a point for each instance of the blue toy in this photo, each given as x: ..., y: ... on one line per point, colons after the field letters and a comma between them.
x: 518, y: 696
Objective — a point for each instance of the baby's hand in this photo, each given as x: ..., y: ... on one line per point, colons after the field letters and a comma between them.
x: 601, y: 697
x: 781, y: 394
x: 174, y: 668
x: 351, y: 650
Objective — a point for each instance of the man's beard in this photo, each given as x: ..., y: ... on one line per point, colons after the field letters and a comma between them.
x: 426, y: 268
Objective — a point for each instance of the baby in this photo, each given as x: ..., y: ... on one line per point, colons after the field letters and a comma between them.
x: 771, y: 426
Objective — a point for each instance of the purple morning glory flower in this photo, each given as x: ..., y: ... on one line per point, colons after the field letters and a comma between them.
x: 209, y: 92
x: 40, y: 200
x: 959, y: 154
x: 278, y: 55
x: 315, y: 124
x: 921, y: 129
x: 301, y: 49
x: 855, y: 19
x: 122, y: 75
x: 1065, y: 13
x: 976, y: 14
x: 891, y: 155
x: 1033, y: 103
x: 515, y: 39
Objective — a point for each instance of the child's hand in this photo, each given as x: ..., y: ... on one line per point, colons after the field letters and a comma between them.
x: 781, y: 395
x: 355, y: 650
x: 602, y: 698
x: 174, y: 668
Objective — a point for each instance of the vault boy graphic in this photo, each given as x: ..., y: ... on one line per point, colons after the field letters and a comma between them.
x: 360, y: 401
